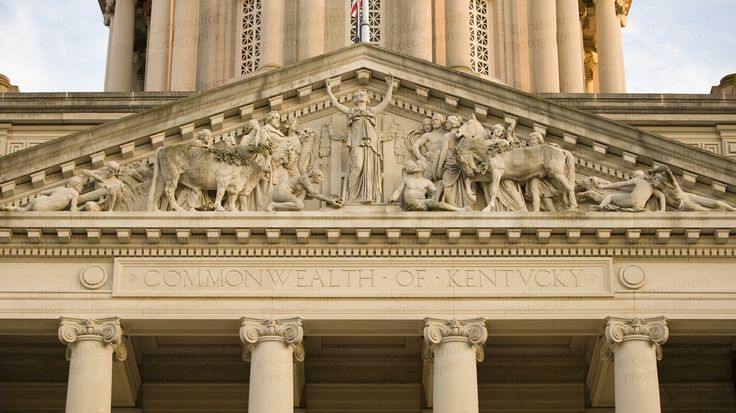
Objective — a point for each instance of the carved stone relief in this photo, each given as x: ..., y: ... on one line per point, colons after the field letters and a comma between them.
x: 446, y: 163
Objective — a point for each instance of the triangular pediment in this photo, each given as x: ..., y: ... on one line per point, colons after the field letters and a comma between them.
x: 602, y: 147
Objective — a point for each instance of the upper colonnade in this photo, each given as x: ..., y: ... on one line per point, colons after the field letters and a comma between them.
x: 567, y: 46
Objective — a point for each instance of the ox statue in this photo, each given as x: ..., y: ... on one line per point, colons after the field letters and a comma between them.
x: 233, y: 171
x: 487, y: 162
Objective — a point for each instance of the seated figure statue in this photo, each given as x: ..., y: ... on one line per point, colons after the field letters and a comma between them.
x: 415, y: 191
x: 289, y: 195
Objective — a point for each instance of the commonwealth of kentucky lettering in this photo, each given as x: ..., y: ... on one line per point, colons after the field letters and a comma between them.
x: 257, y: 277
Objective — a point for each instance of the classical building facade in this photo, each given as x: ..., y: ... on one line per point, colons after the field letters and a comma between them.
x: 258, y: 216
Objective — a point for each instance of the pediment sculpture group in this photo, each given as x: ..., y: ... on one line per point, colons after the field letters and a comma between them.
x: 451, y: 164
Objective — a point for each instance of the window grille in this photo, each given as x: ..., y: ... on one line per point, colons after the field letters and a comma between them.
x: 250, y: 38
x: 374, y: 18
x: 480, y: 37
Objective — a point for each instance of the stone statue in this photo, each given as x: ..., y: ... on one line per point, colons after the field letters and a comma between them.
x: 107, y: 179
x: 631, y: 195
x: 662, y: 178
x: 292, y: 135
x: 364, y: 182
x: 282, y: 155
x: 55, y: 199
x: 289, y: 195
x: 427, y: 148
x: 540, y: 191
x: 482, y: 164
x: 234, y: 173
x: 415, y: 191
x: 249, y: 135
x: 203, y: 139
x: 455, y: 188
x: 307, y: 138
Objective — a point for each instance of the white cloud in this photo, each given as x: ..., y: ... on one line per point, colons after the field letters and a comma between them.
x: 56, y: 46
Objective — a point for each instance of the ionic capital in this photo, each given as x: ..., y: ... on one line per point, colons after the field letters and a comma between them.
x: 619, y: 330
x: 437, y: 331
x: 289, y: 331
x: 106, y: 330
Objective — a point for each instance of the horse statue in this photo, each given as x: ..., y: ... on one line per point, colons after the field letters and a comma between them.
x: 233, y: 171
x: 487, y: 162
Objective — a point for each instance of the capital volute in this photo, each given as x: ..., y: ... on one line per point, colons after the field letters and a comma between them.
x: 106, y: 330
x: 620, y: 330
x: 438, y: 331
x: 289, y: 331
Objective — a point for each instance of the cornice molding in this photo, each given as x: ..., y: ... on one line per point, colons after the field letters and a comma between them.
x: 438, y: 331
x: 106, y: 330
x: 289, y: 331
x: 620, y: 330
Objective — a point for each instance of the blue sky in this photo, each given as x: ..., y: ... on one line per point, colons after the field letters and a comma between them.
x: 670, y: 46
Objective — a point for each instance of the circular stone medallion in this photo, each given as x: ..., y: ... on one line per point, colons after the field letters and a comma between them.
x: 93, y: 277
x: 632, y: 276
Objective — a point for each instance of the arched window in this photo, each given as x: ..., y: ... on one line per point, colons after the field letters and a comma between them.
x: 374, y: 18
x: 480, y: 56
x: 250, y: 36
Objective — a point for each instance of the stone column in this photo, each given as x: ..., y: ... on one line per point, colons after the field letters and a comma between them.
x: 311, y: 35
x: 184, y: 53
x: 91, y: 345
x: 454, y: 346
x: 570, y: 47
x: 120, y: 62
x: 542, y: 26
x: 457, y: 35
x: 610, y: 48
x: 271, y: 346
x: 157, y: 53
x: 415, y: 29
x: 273, y: 32
x: 635, y: 347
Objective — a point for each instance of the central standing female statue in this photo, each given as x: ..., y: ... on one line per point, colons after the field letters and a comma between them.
x: 365, y: 164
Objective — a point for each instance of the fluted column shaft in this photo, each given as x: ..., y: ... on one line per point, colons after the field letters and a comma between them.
x: 543, y: 46
x: 570, y: 47
x: 610, y: 48
x: 186, y: 38
x: 311, y: 36
x: 273, y: 32
x: 157, y: 53
x: 120, y: 61
x: 635, y: 346
x: 454, y: 346
x: 90, y: 348
x: 271, y: 346
x: 457, y: 35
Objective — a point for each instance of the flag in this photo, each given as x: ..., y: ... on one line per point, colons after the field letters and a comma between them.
x: 357, y: 4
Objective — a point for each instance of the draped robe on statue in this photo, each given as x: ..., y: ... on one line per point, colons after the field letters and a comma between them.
x: 365, y: 164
